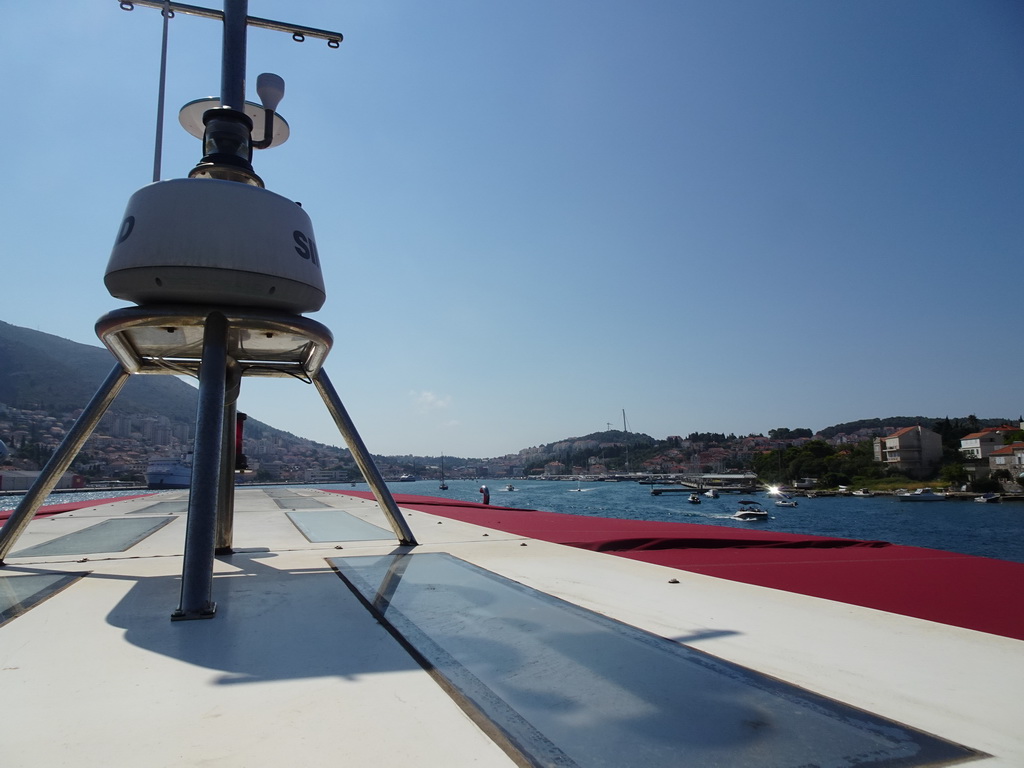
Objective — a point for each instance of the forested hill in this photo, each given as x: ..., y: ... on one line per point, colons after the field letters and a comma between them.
x: 969, y: 423
x: 591, y: 443
x: 39, y: 371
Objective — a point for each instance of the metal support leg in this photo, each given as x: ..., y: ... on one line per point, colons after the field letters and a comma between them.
x: 226, y: 496
x: 61, y: 459
x: 201, y: 530
x: 363, y: 459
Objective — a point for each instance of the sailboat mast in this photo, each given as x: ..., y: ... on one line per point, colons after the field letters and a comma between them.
x: 625, y: 429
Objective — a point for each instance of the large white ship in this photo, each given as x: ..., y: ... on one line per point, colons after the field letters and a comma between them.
x: 169, y: 472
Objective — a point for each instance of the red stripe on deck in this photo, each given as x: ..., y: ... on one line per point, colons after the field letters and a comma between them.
x: 946, y: 587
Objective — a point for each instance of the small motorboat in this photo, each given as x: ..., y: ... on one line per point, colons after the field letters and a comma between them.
x: 750, y: 510
x: 863, y: 492
x: 510, y: 487
x: 922, y: 494
x: 988, y: 498
x: 783, y: 500
x: 694, y: 498
x: 711, y: 493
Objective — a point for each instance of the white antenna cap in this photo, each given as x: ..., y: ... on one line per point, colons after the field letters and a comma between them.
x: 270, y: 88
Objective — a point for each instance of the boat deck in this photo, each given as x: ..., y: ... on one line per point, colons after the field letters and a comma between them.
x: 482, y: 646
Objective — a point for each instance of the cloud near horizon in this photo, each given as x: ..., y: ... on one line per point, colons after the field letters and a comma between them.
x: 427, y: 402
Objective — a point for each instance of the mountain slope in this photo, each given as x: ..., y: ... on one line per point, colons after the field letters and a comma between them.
x: 45, y: 372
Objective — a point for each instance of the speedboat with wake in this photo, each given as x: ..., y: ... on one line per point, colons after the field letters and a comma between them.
x: 751, y: 511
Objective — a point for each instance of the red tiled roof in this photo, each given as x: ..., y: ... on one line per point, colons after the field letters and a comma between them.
x: 987, y: 431
x: 1008, y: 450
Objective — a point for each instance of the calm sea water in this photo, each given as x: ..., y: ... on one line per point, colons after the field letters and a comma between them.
x: 988, y: 530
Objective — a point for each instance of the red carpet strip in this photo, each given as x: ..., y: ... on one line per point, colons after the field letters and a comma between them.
x: 960, y: 590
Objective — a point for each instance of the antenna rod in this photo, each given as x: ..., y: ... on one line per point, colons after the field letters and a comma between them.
x: 298, y: 32
x: 158, y: 144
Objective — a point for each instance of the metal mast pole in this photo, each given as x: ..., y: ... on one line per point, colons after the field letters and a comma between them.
x: 158, y: 143
x: 207, y: 493
x: 201, y: 525
x: 232, y: 67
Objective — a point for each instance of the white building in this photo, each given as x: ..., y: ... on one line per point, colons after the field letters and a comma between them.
x: 21, y: 480
x: 913, y: 451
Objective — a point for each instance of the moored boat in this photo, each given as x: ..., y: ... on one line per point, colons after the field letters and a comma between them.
x: 921, y: 494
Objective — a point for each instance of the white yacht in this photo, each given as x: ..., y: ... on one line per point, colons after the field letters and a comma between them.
x: 750, y: 510
x: 921, y: 494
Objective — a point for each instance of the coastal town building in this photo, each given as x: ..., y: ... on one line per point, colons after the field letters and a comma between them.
x: 1008, y: 459
x: 21, y: 480
x: 326, y: 475
x: 976, y: 448
x: 912, y: 451
x: 979, y: 445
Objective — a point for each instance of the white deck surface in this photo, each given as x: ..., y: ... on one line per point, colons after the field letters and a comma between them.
x: 295, y: 671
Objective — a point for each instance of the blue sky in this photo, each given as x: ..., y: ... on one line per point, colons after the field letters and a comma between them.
x: 717, y: 216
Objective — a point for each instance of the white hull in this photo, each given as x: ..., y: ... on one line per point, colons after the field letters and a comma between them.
x: 920, y: 496
x: 750, y: 516
x: 295, y: 670
x: 168, y: 473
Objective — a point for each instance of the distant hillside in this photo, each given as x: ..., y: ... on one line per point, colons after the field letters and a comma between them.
x: 612, y: 446
x: 39, y: 371
x: 609, y: 438
x: 898, y: 422
x: 45, y: 372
